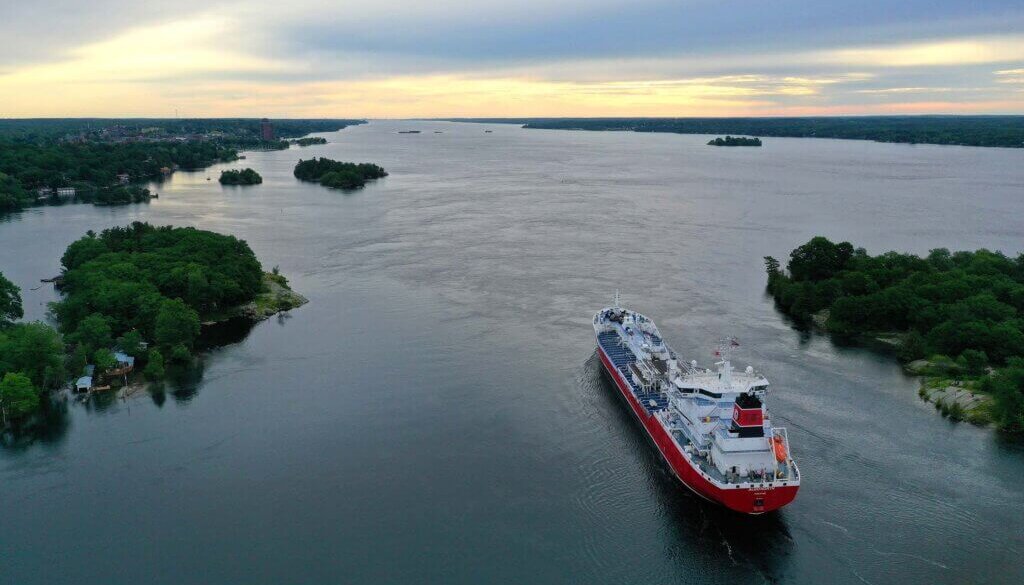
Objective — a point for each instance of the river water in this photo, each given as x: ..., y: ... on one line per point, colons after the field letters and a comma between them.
x: 436, y: 414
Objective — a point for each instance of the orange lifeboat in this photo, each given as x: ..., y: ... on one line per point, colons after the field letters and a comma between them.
x: 780, y: 449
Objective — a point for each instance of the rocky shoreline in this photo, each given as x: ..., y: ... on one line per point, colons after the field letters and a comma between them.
x: 277, y: 297
x: 956, y: 397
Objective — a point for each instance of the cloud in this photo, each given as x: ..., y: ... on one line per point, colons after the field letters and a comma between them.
x: 490, y: 57
x: 956, y: 51
x: 39, y: 31
x: 902, y: 90
x: 1010, y: 76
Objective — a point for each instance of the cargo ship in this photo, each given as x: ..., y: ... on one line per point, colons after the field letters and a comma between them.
x: 710, y: 425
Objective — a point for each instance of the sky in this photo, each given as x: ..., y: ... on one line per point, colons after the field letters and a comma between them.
x: 509, y: 58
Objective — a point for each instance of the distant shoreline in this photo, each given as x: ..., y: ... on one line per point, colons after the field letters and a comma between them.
x: 992, y: 131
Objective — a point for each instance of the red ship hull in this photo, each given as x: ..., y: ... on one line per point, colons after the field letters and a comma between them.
x: 745, y: 500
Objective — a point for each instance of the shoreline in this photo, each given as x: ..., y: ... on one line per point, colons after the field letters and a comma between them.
x: 954, y: 397
x: 277, y: 297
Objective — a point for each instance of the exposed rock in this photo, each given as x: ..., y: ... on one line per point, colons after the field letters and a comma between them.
x: 275, y: 299
x: 959, y: 402
x: 820, y: 319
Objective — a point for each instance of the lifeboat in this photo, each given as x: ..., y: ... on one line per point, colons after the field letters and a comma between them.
x: 780, y: 448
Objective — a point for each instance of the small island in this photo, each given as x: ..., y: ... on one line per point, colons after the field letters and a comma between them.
x: 957, y: 319
x: 308, y: 141
x: 735, y: 141
x: 336, y: 174
x: 135, y: 299
x: 245, y: 176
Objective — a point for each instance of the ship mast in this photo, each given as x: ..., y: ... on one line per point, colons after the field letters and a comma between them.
x: 725, y: 349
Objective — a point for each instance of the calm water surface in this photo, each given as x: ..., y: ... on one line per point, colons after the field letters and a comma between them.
x: 435, y: 414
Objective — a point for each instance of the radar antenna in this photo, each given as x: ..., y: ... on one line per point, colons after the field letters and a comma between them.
x: 724, y: 351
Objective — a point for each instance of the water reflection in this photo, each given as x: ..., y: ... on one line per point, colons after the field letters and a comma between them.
x: 49, y: 426
x: 183, y: 380
x: 227, y: 332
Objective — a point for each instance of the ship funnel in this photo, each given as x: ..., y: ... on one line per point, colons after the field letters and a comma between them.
x: 748, y: 416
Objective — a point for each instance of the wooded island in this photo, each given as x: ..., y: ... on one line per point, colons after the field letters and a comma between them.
x: 137, y: 294
x: 735, y: 141
x: 240, y: 177
x: 957, y: 318
x: 336, y: 174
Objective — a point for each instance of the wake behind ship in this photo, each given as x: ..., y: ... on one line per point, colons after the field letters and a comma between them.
x: 711, y: 426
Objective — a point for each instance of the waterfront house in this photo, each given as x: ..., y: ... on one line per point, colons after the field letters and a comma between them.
x: 44, y: 193
x: 125, y: 364
x: 66, y: 192
x: 84, y: 384
x: 123, y: 179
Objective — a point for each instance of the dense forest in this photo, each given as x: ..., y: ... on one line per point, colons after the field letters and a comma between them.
x: 245, y: 176
x: 1004, y: 131
x: 31, y: 358
x: 96, y: 157
x: 93, y: 169
x: 140, y: 289
x: 735, y: 141
x: 964, y: 309
x: 157, y: 283
x: 49, y: 129
x: 336, y: 174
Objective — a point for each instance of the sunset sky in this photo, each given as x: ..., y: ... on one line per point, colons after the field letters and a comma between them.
x: 438, y: 58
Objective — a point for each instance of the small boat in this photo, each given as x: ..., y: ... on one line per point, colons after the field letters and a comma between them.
x: 408, y: 131
x: 488, y: 131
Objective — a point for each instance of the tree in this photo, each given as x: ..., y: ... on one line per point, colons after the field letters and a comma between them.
x: 342, y: 180
x: 10, y: 301
x: 176, y: 324
x: 155, y: 367
x: 77, y: 361
x: 819, y: 259
x: 858, y: 283
x: 1007, y: 390
x: 104, y: 359
x: 972, y: 361
x: 17, y: 396
x: 82, y: 251
x: 180, y: 354
x: 93, y: 333
x: 35, y: 350
x: 913, y: 347
x: 131, y: 343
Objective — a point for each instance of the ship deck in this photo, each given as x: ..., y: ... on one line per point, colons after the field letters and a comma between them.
x: 621, y: 357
